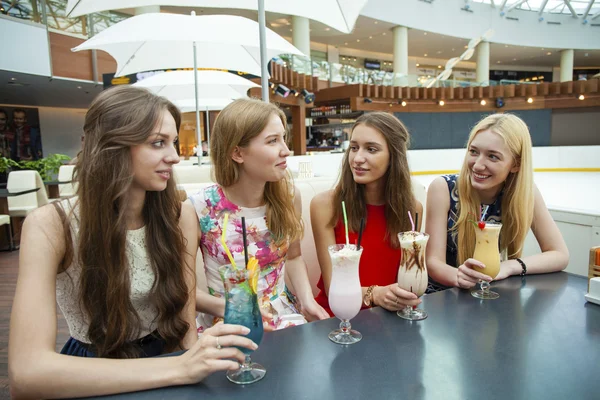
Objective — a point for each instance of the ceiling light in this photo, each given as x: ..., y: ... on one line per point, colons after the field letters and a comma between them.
x: 346, y: 43
x: 514, y: 59
x: 466, y: 47
x: 549, y: 53
x: 453, y: 49
x: 530, y: 100
x: 439, y: 66
x: 78, y: 87
x: 498, y: 62
x: 441, y: 103
x: 308, y: 96
x: 370, y: 37
x: 424, y: 33
x: 581, y: 97
x: 404, y: 103
x: 505, y: 45
x: 357, y: 40
x: 282, y: 90
x: 418, y: 64
x: 425, y: 54
x: 343, y: 58
x: 384, y: 35
x: 354, y: 58
x: 376, y: 22
x: 483, y: 102
x: 327, y: 29
x: 13, y: 79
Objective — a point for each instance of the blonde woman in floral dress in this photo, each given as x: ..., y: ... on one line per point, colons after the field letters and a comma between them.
x: 249, y: 154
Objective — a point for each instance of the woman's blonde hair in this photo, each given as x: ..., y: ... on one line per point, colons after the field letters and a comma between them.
x: 398, y: 185
x: 517, y: 199
x: 239, y: 123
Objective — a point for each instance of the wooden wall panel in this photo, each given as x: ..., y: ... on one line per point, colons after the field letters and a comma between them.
x: 66, y: 63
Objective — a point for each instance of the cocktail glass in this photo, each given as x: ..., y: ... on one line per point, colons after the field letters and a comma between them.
x: 487, y: 251
x: 412, y: 274
x: 345, y: 294
x: 241, y: 308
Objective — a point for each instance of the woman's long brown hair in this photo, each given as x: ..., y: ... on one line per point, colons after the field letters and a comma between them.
x: 398, y: 187
x: 118, y: 119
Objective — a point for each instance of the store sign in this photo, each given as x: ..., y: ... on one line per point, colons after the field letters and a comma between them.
x: 372, y: 64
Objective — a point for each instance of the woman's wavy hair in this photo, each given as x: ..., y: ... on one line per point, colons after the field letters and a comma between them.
x: 517, y: 199
x: 118, y: 119
x: 398, y: 187
x: 239, y: 123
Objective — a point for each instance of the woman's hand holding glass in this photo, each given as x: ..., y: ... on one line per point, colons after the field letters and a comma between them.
x: 394, y: 298
x: 467, y: 275
x: 216, y: 350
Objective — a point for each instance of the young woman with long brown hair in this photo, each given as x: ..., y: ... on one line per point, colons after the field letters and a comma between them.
x: 496, y: 175
x: 118, y: 259
x: 375, y: 184
x: 248, y: 152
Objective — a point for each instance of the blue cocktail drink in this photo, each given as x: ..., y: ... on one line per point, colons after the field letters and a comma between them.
x: 241, y: 308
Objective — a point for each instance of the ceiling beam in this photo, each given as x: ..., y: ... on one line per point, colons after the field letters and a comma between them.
x: 493, y: 4
x: 589, y: 7
x: 515, y: 5
x: 573, y: 12
x: 595, y: 16
x: 543, y: 6
x: 503, y: 4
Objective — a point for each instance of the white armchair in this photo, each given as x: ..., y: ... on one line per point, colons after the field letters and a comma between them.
x: 21, y: 206
x: 65, y: 174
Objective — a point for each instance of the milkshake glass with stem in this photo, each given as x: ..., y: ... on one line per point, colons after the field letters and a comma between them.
x: 345, y: 293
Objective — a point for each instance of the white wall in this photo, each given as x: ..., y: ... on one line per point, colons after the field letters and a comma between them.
x: 61, y: 130
x: 446, y: 17
x: 25, y: 47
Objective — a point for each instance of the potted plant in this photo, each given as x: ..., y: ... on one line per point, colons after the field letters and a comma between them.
x: 5, y: 165
x: 47, y: 166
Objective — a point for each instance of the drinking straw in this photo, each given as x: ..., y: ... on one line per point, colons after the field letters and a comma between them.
x: 360, y: 232
x: 345, y: 223
x: 231, y: 260
x: 411, y: 220
x: 417, y: 220
x: 245, y: 241
x: 484, y: 212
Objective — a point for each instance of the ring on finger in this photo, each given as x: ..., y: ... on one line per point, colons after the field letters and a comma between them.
x: 218, y: 345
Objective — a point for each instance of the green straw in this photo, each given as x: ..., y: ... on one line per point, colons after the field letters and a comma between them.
x: 345, y: 223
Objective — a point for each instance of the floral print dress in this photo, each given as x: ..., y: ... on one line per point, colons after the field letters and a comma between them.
x: 211, y: 206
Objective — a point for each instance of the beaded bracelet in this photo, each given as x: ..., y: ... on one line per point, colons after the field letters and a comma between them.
x: 524, y: 272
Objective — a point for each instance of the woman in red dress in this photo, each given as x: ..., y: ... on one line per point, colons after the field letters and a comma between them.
x: 375, y: 185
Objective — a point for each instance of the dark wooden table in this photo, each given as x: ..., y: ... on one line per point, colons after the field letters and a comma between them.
x: 539, y: 340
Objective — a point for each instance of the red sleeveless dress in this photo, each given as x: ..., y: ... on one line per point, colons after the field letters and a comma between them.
x: 379, y: 262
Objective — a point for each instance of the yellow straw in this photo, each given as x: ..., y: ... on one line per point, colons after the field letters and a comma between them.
x: 223, y: 241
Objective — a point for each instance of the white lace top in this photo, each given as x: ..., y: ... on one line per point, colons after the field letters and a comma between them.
x: 141, y: 276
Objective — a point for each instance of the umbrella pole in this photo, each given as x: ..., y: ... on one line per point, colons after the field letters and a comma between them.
x: 207, y: 132
x: 263, y: 50
x: 198, y: 137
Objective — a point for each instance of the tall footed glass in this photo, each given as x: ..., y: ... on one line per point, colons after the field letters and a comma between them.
x: 345, y: 293
x: 241, y: 308
x: 487, y: 251
x: 412, y: 273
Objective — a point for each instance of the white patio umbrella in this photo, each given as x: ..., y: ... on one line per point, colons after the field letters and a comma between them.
x: 216, y: 89
x: 338, y: 14
x: 178, y: 85
x: 163, y: 41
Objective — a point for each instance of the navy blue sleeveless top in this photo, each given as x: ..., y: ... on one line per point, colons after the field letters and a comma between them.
x: 493, y: 214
